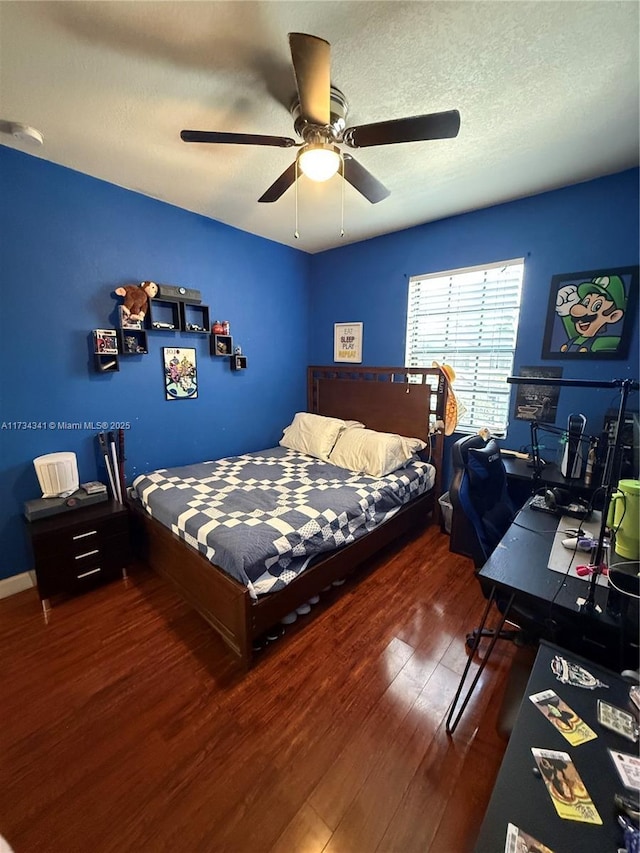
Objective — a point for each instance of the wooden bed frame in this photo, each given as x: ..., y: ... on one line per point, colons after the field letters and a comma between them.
x: 407, y: 401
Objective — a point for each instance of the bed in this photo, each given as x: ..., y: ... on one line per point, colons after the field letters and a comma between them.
x: 239, y: 601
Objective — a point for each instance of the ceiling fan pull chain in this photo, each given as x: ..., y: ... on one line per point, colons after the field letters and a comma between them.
x: 295, y: 233
x: 342, y: 197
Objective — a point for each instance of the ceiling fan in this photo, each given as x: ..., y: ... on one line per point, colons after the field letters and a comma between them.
x: 319, y: 113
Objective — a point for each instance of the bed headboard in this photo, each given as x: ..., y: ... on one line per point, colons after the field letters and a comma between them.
x: 404, y: 400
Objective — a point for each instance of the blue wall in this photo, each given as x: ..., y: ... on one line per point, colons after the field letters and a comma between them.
x: 67, y: 241
x: 584, y: 227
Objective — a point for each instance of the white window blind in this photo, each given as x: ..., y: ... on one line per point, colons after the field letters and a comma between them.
x: 468, y: 318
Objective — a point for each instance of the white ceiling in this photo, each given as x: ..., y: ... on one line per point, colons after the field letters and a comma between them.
x: 548, y: 94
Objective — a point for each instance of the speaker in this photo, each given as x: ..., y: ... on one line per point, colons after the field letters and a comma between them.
x: 182, y: 294
x: 571, y: 466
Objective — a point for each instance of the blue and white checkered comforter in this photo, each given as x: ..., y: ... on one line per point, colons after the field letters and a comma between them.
x: 262, y: 516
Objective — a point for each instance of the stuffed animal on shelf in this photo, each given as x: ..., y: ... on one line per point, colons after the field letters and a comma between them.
x: 136, y: 298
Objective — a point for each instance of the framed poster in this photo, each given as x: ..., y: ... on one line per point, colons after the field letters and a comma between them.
x: 180, y: 373
x: 347, y: 342
x: 591, y: 314
x: 538, y: 402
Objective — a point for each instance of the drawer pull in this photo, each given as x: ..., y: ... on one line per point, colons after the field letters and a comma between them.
x: 86, y: 574
x: 87, y: 554
x: 82, y: 535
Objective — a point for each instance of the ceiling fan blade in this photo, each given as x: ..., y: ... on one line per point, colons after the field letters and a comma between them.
x: 311, y: 57
x: 363, y: 180
x: 413, y: 129
x: 236, y: 138
x: 280, y: 185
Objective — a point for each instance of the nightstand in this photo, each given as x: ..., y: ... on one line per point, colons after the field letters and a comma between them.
x: 76, y: 549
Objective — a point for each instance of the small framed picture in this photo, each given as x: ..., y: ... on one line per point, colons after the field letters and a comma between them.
x: 180, y: 373
x: 347, y: 342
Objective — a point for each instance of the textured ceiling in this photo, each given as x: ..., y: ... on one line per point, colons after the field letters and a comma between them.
x: 548, y: 95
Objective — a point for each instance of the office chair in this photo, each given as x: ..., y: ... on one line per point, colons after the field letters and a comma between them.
x: 483, y: 512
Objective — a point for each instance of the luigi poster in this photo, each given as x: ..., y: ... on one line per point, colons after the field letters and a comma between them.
x: 591, y: 314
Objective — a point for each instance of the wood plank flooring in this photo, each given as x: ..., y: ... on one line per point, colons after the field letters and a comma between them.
x: 125, y: 726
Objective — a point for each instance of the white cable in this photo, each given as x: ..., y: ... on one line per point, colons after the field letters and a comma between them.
x: 617, y: 588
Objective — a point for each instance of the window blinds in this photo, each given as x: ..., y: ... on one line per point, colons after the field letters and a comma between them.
x: 468, y: 318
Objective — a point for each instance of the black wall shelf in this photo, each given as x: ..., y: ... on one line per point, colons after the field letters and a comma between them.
x: 132, y: 342
x: 221, y: 345
x: 105, y: 350
x: 164, y: 315
x: 106, y: 363
x: 238, y: 362
x: 194, y: 318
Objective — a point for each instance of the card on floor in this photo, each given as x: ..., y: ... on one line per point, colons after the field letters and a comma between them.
x: 562, y: 717
x: 521, y: 842
x: 566, y: 789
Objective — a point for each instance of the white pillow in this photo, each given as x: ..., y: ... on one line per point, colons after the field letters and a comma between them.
x: 373, y: 453
x: 315, y: 435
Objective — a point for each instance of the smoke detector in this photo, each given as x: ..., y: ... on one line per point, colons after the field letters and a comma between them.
x: 22, y: 132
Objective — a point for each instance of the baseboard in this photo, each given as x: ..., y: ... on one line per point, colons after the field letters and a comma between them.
x: 16, y: 583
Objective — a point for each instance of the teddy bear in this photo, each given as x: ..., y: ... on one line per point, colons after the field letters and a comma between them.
x: 136, y: 298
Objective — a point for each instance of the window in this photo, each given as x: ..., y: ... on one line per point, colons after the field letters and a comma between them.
x: 468, y: 318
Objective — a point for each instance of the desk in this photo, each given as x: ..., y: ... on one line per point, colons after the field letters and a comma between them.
x: 520, y: 477
x: 517, y: 569
x: 519, y: 565
x: 521, y: 798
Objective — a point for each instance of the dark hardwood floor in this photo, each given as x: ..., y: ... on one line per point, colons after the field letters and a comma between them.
x: 124, y: 725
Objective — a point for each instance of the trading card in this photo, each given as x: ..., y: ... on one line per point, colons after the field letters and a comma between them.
x: 628, y: 767
x: 617, y: 720
x: 560, y: 715
x: 520, y: 842
x: 566, y: 789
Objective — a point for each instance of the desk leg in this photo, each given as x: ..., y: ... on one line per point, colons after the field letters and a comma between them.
x: 451, y: 726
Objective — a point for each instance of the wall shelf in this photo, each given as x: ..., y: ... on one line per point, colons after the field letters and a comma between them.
x: 194, y: 318
x: 106, y: 363
x: 238, y: 362
x: 164, y: 315
x: 221, y: 345
x: 133, y: 342
x: 105, y: 350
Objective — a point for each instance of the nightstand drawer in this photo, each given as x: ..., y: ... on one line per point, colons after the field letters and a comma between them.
x: 57, y: 572
x: 72, y: 540
x: 76, y: 582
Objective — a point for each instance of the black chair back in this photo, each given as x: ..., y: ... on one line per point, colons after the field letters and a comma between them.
x: 479, y: 496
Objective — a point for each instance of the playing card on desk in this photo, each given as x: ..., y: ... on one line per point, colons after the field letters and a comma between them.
x: 562, y: 717
x: 628, y: 767
x: 566, y: 789
x: 520, y: 842
x: 617, y: 720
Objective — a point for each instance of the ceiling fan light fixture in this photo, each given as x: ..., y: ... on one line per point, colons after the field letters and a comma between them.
x: 319, y: 161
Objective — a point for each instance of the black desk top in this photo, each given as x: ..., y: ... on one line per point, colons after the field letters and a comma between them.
x: 519, y: 564
x: 550, y: 475
x: 521, y: 798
